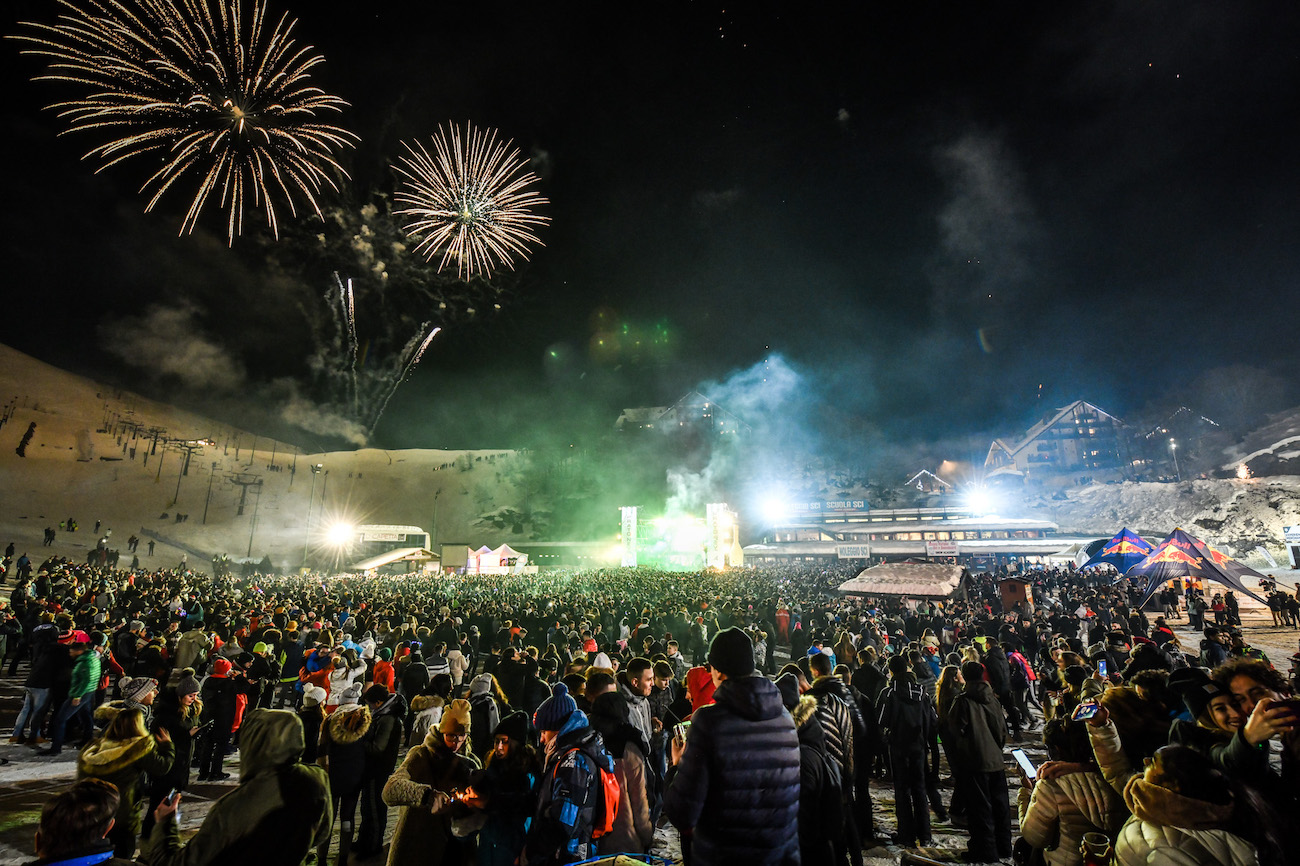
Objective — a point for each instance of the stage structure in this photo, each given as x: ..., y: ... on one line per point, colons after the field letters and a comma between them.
x: 628, y: 536
x: 681, y: 542
x: 724, y: 537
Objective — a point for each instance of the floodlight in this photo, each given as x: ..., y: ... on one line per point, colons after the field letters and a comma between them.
x: 980, y: 500
x: 774, y: 509
x: 340, y: 534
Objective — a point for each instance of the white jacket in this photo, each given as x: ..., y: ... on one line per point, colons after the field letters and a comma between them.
x: 459, y: 666
x: 1059, y: 811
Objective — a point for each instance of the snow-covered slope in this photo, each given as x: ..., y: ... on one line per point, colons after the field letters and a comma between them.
x: 76, y: 467
x: 1273, y: 448
x: 1233, y: 515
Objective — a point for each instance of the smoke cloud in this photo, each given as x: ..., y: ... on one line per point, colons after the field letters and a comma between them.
x: 987, y: 227
x: 168, y: 343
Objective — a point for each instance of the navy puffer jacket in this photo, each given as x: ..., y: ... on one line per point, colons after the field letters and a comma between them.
x: 738, y: 781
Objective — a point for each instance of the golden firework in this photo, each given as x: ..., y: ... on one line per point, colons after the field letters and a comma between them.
x: 204, y: 88
x: 471, y: 200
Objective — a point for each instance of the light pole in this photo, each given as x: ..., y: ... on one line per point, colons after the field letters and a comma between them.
x: 306, y: 540
x: 208, y: 497
x: 252, y: 527
x: 1173, y: 449
x: 433, y: 536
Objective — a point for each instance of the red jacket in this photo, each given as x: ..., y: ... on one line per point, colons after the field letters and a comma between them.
x: 384, y: 675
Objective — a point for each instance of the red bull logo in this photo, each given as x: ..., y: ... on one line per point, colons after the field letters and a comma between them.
x: 1174, y: 553
x: 1126, y: 546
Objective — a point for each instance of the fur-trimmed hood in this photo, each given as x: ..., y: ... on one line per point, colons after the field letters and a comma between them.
x: 420, y: 703
x: 106, y: 757
x: 1159, y: 805
x: 344, y: 727
x: 804, y: 711
x: 106, y: 712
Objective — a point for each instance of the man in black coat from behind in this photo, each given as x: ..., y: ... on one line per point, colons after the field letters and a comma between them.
x: 975, y: 730
x: 734, y: 783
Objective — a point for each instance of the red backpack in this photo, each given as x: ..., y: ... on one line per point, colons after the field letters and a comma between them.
x: 610, y: 792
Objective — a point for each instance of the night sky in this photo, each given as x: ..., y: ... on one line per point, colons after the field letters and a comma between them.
x: 927, y: 210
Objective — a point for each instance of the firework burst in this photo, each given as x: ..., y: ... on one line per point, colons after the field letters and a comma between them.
x: 471, y: 200
x: 207, y: 90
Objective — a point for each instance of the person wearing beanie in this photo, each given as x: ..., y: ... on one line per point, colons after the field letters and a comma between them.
x: 139, y: 693
x: 908, y: 721
x: 383, y: 742
x: 179, y: 712
x: 424, y: 789
x: 312, y: 716
x: 570, y: 786
x: 383, y: 673
x: 218, y: 693
x: 734, y: 780
x: 506, y: 790
x: 488, y: 705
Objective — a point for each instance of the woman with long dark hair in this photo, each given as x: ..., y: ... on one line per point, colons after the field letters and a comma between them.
x: 506, y: 789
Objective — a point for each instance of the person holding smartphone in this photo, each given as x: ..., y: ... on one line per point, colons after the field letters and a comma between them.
x: 178, y: 712
x: 1056, y: 809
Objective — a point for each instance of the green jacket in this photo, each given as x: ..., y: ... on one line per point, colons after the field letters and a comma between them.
x: 279, y: 813
x: 85, y: 675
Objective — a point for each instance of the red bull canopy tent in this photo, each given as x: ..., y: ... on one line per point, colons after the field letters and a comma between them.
x: 1180, y: 556
x: 1123, y: 551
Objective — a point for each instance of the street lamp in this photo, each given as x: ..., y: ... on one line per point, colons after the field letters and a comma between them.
x: 1173, y: 449
x: 316, y: 469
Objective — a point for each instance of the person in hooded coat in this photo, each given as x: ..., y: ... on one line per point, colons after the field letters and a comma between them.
x: 734, y: 783
x: 570, y: 790
x: 977, y: 731
x: 123, y: 755
x: 279, y: 813
x: 342, y: 752
x: 218, y: 695
x: 633, y: 830
x: 487, y: 706
x: 908, y: 721
x: 423, y: 788
x: 821, y: 811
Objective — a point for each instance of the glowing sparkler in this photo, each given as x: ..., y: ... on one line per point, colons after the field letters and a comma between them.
x: 471, y: 200
x: 207, y: 91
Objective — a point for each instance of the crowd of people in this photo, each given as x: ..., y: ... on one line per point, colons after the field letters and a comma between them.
x: 547, y: 719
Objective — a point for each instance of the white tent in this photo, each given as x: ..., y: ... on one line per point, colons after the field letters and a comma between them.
x: 924, y: 579
x: 503, y: 560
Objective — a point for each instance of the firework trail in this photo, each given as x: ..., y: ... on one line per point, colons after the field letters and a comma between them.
x: 212, y: 94
x: 471, y: 200
x: 348, y: 306
x: 412, y: 352
x: 365, y: 387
